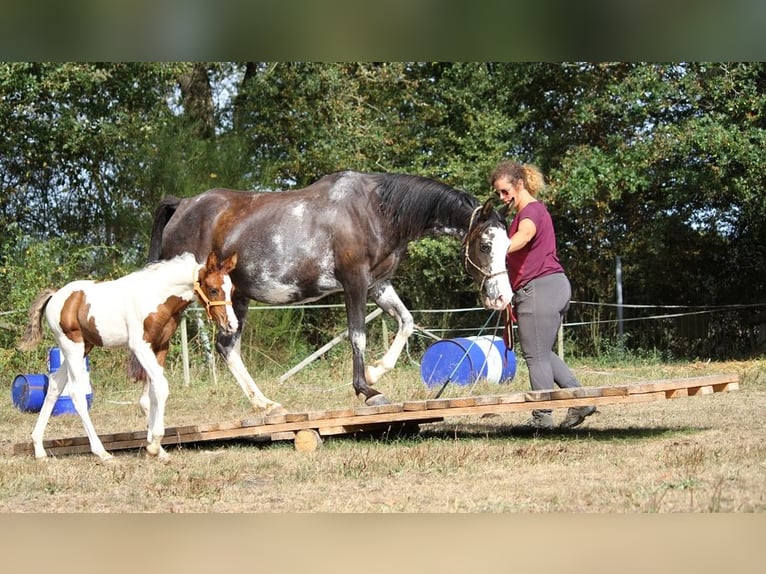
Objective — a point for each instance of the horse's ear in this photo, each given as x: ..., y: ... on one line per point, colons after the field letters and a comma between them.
x: 212, y: 260
x: 489, y: 206
x: 229, y: 263
x: 503, y: 211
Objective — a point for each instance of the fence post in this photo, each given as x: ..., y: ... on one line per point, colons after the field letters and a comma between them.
x: 561, y: 340
x: 185, y: 351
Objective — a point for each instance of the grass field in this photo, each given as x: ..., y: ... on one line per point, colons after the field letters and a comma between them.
x: 697, y: 454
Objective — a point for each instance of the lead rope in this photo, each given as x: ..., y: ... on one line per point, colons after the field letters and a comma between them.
x: 467, y: 351
x: 486, y: 355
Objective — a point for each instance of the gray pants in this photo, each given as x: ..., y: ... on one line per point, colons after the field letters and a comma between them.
x: 540, y: 307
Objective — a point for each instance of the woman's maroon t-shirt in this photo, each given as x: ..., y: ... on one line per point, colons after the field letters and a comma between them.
x: 538, y: 257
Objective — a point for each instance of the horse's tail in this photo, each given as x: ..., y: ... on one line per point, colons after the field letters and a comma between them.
x: 162, y: 215
x: 33, y: 333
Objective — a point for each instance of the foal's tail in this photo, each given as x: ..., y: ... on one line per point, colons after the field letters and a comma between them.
x: 165, y: 210
x: 33, y: 333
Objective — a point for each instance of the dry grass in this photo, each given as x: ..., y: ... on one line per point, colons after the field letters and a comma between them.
x: 698, y: 454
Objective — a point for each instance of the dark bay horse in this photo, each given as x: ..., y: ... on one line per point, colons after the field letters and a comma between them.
x: 140, y: 311
x: 347, y: 232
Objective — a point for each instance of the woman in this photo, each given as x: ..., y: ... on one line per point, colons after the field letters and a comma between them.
x: 541, y: 288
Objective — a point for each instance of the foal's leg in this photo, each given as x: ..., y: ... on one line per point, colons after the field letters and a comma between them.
x: 157, y: 390
x: 56, y: 383
x: 144, y: 401
x: 389, y: 301
x: 71, y: 374
x: 228, y: 346
x: 76, y: 370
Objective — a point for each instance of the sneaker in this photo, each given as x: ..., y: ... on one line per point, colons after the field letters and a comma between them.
x: 576, y: 415
x: 541, y: 420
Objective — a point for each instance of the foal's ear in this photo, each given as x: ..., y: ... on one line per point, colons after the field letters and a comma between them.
x: 503, y: 211
x: 229, y: 263
x: 212, y: 260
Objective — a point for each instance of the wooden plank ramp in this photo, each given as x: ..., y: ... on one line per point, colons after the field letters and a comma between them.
x: 307, y: 428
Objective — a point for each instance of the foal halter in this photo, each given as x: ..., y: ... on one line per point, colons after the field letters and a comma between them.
x: 207, y: 302
x: 467, y: 258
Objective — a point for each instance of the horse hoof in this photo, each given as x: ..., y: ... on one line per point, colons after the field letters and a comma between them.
x: 377, y: 400
x: 275, y: 410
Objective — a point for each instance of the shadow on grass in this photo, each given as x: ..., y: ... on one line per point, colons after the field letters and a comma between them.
x: 479, y: 431
x: 468, y: 432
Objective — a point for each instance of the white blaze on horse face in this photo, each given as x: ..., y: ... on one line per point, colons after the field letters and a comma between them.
x: 228, y: 288
x: 497, y: 287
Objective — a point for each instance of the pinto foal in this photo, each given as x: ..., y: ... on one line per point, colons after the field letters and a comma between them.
x: 140, y: 311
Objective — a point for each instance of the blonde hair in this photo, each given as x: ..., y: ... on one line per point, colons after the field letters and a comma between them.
x: 531, y: 175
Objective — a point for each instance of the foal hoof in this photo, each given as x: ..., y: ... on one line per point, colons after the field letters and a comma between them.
x: 275, y: 409
x: 377, y: 400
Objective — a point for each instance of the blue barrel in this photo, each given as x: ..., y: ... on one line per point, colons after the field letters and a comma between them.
x: 54, y: 360
x: 28, y: 395
x: 466, y: 360
x: 64, y: 403
x: 28, y: 392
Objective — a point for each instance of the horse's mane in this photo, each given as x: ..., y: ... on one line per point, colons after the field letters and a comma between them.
x: 417, y: 205
x: 183, y: 260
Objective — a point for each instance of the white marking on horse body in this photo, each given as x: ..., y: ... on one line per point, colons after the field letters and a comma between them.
x: 359, y: 340
x: 298, y: 210
x: 497, y: 286
x: 389, y: 301
x: 342, y: 187
x: 228, y: 288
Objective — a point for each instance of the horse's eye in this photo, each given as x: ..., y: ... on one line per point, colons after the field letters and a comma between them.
x: 214, y: 292
x: 485, y: 248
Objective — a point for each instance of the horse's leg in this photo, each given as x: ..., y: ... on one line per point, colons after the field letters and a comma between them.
x: 144, y: 401
x: 388, y: 300
x: 73, y: 364
x: 56, y: 383
x: 157, y: 390
x: 77, y: 390
x: 357, y: 334
x: 228, y: 346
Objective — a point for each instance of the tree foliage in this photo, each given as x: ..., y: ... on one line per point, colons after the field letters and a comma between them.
x: 659, y: 164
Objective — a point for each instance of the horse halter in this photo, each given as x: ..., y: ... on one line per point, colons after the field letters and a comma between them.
x: 207, y: 302
x: 467, y: 258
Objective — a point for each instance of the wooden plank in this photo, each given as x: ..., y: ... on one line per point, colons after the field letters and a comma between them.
x: 286, y: 435
x: 378, y: 409
x: 340, y: 421
x: 435, y: 404
x: 536, y: 396
x: 252, y: 421
x: 588, y: 392
x: 318, y: 415
x: 616, y: 391
x: 670, y: 384
x: 340, y: 413
x: 296, y: 417
x: 415, y: 405
x: 562, y: 394
x: 274, y: 419
x: 512, y: 398
x: 676, y: 393
x: 487, y: 400
x: 462, y: 402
